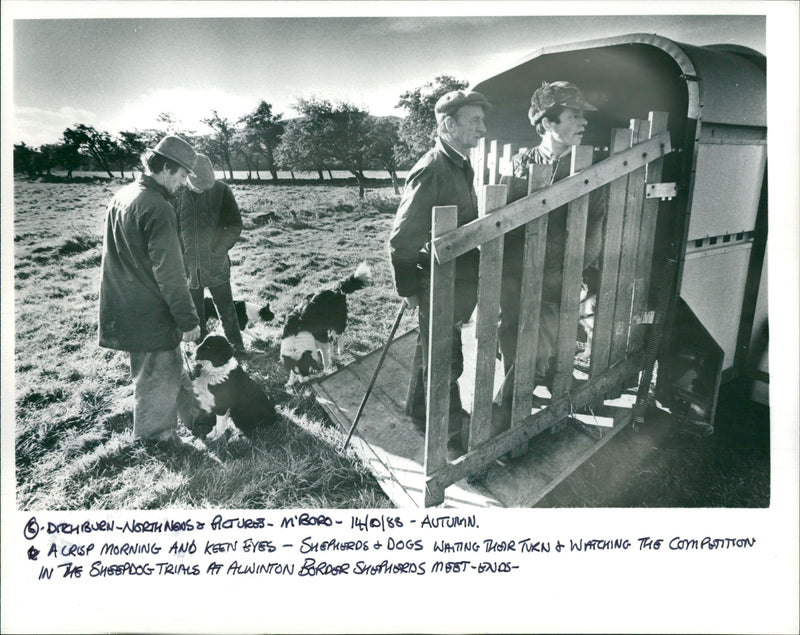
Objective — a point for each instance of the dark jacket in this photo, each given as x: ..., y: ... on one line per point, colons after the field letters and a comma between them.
x: 144, y: 301
x: 440, y: 177
x: 556, y: 224
x: 210, y: 224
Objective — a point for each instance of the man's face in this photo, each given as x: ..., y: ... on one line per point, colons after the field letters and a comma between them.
x: 468, y: 127
x: 569, y: 130
x: 173, y: 182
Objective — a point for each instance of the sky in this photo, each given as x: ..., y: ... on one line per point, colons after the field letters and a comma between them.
x: 121, y: 68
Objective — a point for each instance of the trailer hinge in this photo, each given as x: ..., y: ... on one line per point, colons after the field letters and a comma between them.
x: 663, y: 191
x: 690, y: 78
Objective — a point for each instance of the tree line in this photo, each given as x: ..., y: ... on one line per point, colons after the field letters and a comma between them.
x: 326, y: 136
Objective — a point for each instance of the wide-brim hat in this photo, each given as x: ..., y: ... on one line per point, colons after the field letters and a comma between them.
x: 553, y: 94
x: 178, y: 150
x: 203, y: 178
x: 450, y: 102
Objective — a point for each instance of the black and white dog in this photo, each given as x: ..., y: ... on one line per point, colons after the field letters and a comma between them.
x: 247, y: 313
x: 306, y: 339
x: 226, y: 391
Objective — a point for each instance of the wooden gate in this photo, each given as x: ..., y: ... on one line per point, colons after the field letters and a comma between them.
x: 628, y: 235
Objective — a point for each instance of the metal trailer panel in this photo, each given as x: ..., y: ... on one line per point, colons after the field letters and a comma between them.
x: 727, y: 188
x: 713, y: 286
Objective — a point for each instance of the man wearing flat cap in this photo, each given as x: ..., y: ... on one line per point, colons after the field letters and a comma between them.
x: 145, y: 306
x: 210, y: 224
x: 557, y: 111
x: 443, y: 176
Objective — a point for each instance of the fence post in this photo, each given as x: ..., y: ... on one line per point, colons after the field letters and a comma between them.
x: 509, y: 150
x: 609, y: 266
x: 479, y: 163
x: 490, y: 280
x: 572, y: 278
x: 440, y: 342
x: 493, y: 162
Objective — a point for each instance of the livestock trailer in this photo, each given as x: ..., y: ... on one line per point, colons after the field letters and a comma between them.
x: 712, y: 219
x: 678, y: 149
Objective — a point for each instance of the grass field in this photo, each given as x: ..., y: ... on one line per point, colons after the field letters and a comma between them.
x: 74, y: 448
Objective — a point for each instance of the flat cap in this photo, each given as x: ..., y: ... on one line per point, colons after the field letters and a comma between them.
x: 452, y: 101
x: 178, y: 150
x: 556, y: 94
x: 203, y: 178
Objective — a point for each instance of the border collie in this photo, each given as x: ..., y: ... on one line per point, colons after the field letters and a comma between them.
x: 224, y: 389
x: 306, y: 339
x: 247, y: 313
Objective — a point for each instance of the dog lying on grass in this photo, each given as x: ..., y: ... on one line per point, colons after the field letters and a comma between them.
x: 310, y: 327
x: 226, y: 392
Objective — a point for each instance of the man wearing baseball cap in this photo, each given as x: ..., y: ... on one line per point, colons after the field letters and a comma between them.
x: 443, y: 176
x: 145, y: 306
x: 210, y: 224
x: 557, y: 112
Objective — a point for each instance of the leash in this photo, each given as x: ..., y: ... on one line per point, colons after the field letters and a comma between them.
x: 375, y: 374
x: 186, y: 363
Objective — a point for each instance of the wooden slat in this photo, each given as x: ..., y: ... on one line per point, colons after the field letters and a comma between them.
x: 440, y: 342
x: 479, y: 163
x: 493, y: 162
x: 530, y: 302
x: 490, y: 278
x: 509, y: 150
x: 467, y: 237
x: 627, y: 263
x: 609, y: 267
x: 647, y: 231
x: 505, y: 441
x: 575, y: 242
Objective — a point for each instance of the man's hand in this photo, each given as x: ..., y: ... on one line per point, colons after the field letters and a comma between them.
x: 193, y: 335
x: 411, y: 301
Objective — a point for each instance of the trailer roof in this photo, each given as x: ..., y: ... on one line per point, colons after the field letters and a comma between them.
x: 725, y: 83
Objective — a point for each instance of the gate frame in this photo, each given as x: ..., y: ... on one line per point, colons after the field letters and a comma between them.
x: 487, y: 232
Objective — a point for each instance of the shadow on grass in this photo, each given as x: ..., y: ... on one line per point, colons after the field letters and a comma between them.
x: 660, y: 464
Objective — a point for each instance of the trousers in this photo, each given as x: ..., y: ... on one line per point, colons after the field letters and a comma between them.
x: 466, y: 297
x: 223, y: 300
x: 162, y: 393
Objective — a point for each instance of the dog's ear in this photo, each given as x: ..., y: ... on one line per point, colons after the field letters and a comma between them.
x: 265, y: 313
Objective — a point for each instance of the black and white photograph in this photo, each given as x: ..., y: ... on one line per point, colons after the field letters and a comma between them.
x: 420, y: 265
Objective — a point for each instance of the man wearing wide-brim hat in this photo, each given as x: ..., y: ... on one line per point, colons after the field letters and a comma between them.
x: 210, y: 224
x: 557, y: 112
x: 443, y: 176
x: 145, y: 306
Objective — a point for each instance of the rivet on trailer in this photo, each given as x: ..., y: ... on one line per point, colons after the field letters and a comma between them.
x: 678, y: 144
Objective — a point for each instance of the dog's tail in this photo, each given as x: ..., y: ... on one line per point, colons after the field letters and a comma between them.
x: 357, y: 281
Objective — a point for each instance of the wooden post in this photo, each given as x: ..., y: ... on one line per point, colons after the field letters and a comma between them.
x: 644, y: 258
x: 572, y: 278
x: 440, y: 343
x: 530, y: 304
x: 493, y: 163
x: 509, y: 150
x: 489, y: 282
x: 627, y: 262
x: 479, y: 163
x: 609, y: 266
